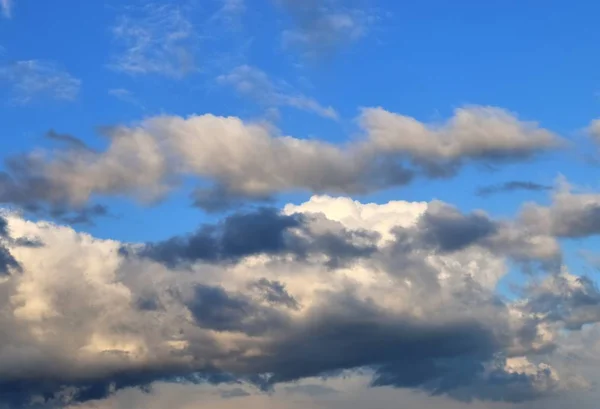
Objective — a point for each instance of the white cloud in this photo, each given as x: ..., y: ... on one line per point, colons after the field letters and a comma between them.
x: 155, y: 39
x: 33, y: 79
x: 251, y: 160
x: 81, y: 313
x: 254, y: 83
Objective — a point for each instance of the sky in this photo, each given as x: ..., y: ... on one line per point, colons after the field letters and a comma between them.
x: 299, y: 204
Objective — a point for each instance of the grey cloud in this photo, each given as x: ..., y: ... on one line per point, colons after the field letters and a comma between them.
x: 311, y: 390
x: 263, y: 231
x: 269, y: 323
x: 321, y: 27
x: 7, y: 261
x: 444, y: 228
x: 24, y: 186
x: 449, y: 230
x: 249, y: 161
x: 574, y: 301
x: 239, y: 235
x: 69, y: 140
x: 234, y: 393
x: 512, y: 186
x: 440, y: 359
x: 214, y: 308
x: 274, y: 292
x: 570, y: 215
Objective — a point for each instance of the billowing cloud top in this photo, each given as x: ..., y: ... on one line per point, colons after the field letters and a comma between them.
x: 405, y: 291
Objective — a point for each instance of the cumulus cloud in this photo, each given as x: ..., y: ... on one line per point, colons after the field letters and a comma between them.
x: 254, y: 83
x: 242, y: 160
x: 28, y: 80
x: 155, y: 39
x: 570, y: 214
x: 85, y: 319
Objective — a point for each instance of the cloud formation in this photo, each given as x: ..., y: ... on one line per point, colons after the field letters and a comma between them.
x: 255, y: 84
x: 512, y: 186
x: 29, y: 80
x: 320, y: 27
x: 244, y: 160
x: 418, y: 311
x: 155, y: 39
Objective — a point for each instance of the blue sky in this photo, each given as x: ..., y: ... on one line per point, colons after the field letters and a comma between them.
x: 135, y: 106
x: 423, y: 60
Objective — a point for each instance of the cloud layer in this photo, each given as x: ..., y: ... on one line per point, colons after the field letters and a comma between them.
x: 244, y: 160
x: 404, y: 291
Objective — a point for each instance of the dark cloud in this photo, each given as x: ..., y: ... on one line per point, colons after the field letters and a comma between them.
x: 442, y: 359
x: 574, y: 301
x: 274, y: 292
x: 214, y: 308
x: 23, y: 186
x: 239, y: 235
x: 218, y: 198
x: 7, y: 261
x: 512, y: 186
x: 449, y: 230
x: 70, y: 141
x: 261, y: 231
x: 311, y: 390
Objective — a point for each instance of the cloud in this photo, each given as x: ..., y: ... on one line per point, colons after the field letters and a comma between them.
x: 323, y: 26
x: 594, y: 130
x: 7, y: 6
x: 124, y: 95
x: 255, y: 84
x: 33, y: 79
x: 251, y: 161
x: 263, y: 231
x: 474, y: 133
x: 512, y: 186
x: 70, y: 141
x: 84, y: 321
x: 570, y: 215
x: 155, y: 39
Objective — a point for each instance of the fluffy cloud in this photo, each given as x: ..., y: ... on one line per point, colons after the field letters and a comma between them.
x: 571, y: 214
x: 32, y: 79
x: 418, y: 310
x: 252, y: 161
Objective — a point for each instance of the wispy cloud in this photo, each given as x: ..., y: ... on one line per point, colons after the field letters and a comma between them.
x: 512, y: 186
x: 322, y: 26
x: 155, y: 39
x: 254, y: 83
x: 124, y: 95
x: 32, y: 79
x: 7, y: 6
